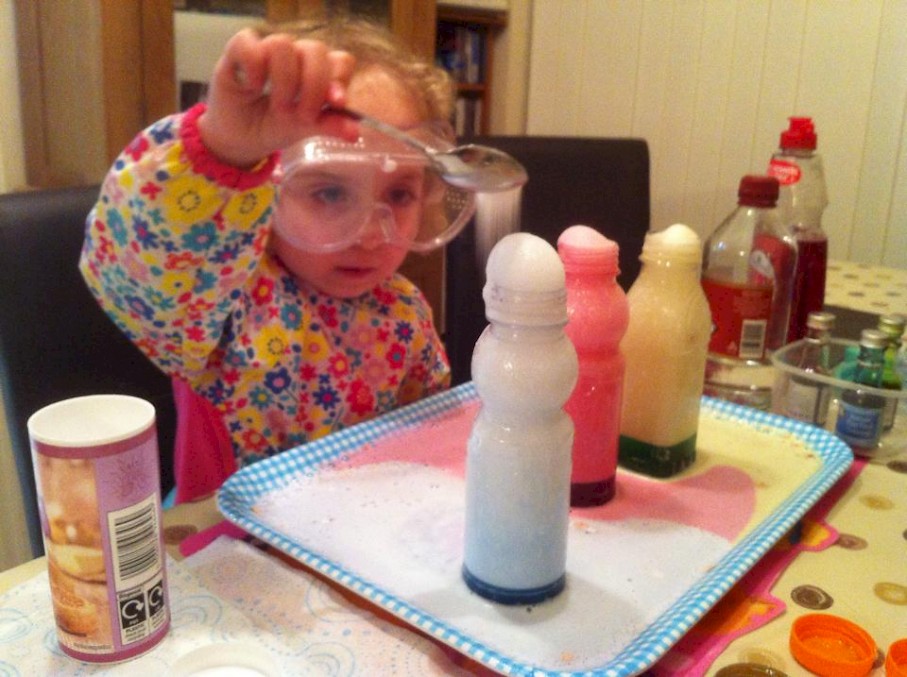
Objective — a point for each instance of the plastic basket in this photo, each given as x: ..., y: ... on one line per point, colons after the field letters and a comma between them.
x: 892, y: 441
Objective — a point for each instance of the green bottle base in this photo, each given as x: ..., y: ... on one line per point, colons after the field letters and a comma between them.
x: 655, y: 460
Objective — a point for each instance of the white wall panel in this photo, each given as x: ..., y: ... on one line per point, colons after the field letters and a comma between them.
x: 702, y: 168
x: 896, y: 235
x: 680, y: 52
x: 835, y: 85
x: 880, y: 200
x: 606, y: 97
x: 710, y: 85
x: 556, y: 62
x: 781, y: 73
x: 739, y: 125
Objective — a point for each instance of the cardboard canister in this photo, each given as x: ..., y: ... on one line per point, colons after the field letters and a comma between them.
x: 98, y: 480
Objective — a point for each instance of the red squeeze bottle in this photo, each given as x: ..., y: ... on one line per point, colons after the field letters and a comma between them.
x: 598, y: 315
x: 802, y: 199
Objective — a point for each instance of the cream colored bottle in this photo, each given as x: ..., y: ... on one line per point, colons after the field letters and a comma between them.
x: 665, y: 350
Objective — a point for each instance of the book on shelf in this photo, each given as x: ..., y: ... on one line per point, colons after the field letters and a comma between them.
x: 460, y: 52
x: 468, y: 116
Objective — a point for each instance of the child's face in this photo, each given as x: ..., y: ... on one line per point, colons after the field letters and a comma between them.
x: 357, y: 269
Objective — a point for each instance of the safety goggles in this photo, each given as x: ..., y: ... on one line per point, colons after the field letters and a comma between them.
x: 335, y: 194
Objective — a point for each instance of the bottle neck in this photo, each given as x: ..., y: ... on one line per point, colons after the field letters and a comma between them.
x: 589, y: 275
x: 525, y: 308
x: 799, y: 153
x: 665, y: 270
x: 870, y: 365
x: 519, y: 333
x: 818, y: 335
x: 816, y: 351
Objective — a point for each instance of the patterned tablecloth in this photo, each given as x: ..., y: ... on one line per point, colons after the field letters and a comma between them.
x: 870, y: 289
x: 847, y: 557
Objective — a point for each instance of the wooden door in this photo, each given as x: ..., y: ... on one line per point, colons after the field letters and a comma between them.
x: 93, y: 74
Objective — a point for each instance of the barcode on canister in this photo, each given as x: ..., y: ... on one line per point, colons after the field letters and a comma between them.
x: 135, y: 542
x: 752, y: 339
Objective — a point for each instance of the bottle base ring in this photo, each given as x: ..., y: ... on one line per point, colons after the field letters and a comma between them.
x: 511, y: 596
x: 590, y: 494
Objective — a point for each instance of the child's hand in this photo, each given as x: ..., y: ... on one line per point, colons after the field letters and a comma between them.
x: 267, y: 93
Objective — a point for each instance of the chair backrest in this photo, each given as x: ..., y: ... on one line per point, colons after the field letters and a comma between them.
x: 598, y: 182
x: 55, y: 341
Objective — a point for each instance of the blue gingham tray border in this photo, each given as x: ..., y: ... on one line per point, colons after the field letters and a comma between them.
x: 240, y: 493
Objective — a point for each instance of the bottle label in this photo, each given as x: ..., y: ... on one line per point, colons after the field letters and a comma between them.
x: 787, y: 173
x: 860, y: 423
x: 740, y: 315
x: 807, y: 401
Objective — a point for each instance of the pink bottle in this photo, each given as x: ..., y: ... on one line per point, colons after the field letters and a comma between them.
x: 598, y: 315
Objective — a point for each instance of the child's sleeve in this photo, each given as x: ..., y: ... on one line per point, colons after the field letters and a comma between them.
x: 173, y: 240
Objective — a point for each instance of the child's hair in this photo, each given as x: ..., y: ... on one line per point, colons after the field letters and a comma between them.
x: 373, y: 45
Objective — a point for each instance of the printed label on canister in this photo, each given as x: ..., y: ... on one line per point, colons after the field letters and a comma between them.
x: 101, y: 518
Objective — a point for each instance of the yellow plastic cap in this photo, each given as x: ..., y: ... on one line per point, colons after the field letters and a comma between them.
x: 896, y: 663
x: 830, y: 645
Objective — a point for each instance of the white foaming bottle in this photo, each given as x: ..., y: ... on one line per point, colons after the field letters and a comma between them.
x: 519, y: 452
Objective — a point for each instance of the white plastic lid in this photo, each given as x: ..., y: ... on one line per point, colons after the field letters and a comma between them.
x: 91, y: 420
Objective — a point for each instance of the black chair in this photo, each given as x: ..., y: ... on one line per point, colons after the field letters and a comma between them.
x: 598, y: 182
x: 55, y: 342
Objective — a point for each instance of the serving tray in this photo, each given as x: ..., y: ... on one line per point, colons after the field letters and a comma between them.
x: 378, y: 508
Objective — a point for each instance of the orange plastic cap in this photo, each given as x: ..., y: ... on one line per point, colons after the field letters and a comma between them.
x: 896, y: 663
x: 830, y: 645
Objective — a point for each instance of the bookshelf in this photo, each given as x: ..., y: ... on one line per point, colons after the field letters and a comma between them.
x: 464, y: 46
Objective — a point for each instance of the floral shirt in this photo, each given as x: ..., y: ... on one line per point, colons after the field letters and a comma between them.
x: 176, y: 254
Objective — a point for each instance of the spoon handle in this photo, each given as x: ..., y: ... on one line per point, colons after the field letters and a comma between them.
x: 377, y: 125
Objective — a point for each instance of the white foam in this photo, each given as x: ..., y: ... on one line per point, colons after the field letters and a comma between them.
x: 621, y: 575
x: 525, y: 262
x: 585, y: 237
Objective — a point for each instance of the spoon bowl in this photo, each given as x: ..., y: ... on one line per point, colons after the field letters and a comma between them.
x: 472, y: 167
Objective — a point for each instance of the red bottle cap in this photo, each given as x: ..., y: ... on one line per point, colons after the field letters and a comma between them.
x: 800, y: 134
x: 831, y: 645
x: 758, y: 191
x: 896, y: 663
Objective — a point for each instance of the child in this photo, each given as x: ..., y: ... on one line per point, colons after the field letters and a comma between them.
x: 249, y: 247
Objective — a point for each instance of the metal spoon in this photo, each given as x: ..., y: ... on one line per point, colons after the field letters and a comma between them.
x: 472, y: 167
